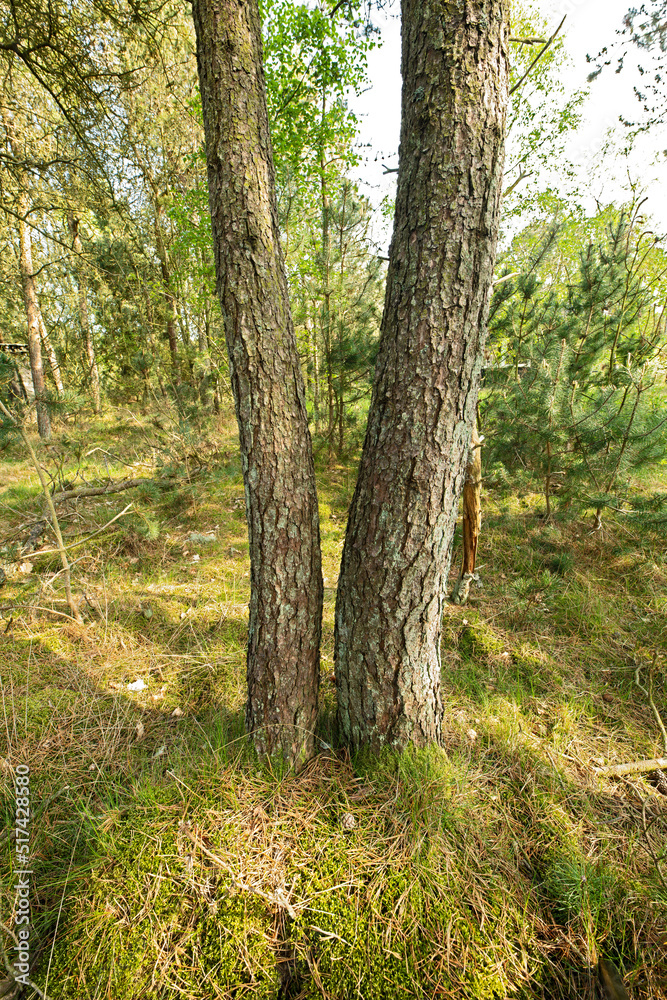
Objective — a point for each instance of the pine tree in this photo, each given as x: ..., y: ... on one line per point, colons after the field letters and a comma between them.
x: 572, y: 393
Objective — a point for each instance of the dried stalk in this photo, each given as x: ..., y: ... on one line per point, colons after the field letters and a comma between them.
x: 71, y: 603
x: 649, y: 695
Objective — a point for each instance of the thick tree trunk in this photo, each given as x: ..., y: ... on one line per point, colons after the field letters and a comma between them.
x: 281, y: 501
x: 397, y: 550
x: 84, y: 318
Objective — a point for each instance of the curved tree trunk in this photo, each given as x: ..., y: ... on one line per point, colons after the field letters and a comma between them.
x: 397, y: 550
x: 281, y: 502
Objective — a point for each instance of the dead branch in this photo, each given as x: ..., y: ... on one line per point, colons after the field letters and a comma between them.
x: 74, y: 545
x: 100, y: 491
x: 634, y: 767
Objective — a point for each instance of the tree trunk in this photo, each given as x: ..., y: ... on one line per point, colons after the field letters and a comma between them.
x: 84, y: 318
x: 472, y: 516
x: 397, y: 550
x: 33, y: 317
x: 326, y: 281
x: 50, y: 352
x: 169, y: 297
x: 472, y: 508
x: 281, y: 501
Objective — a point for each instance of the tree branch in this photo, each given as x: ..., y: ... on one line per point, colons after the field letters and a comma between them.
x: 537, y: 58
x: 98, y: 491
x: 635, y: 767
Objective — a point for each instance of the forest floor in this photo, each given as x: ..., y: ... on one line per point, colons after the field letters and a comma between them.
x: 168, y: 862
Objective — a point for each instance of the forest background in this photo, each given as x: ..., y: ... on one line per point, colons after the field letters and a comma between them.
x: 107, y: 276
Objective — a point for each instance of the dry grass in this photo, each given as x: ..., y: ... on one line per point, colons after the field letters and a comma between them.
x: 169, y: 862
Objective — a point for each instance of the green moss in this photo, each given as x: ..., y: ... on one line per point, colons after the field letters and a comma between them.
x: 387, y: 933
x: 143, y: 925
x: 479, y: 640
x: 40, y: 707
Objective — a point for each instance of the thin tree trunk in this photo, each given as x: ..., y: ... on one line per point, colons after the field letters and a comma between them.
x: 84, y: 318
x: 50, y: 352
x: 326, y: 279
x: 33, y: 317
x: 340, y: 318
x: 154, y: 352
x: 547, y: 483
x: 33, y: 314
x: 265, y: 373
x: 472, y: 516
x: 392, y: 583
x: 472, y: 507
x: 169, y: 298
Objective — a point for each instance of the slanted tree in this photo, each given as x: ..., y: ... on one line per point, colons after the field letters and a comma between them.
x: 278, y: 471
x: 392, y: 582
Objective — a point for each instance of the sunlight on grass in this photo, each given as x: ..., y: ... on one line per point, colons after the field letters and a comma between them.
x: 169, y: 861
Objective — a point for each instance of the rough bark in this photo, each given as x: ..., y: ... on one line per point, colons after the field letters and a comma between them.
x: 281, y: 502
x: 84, y: 318
x: 397, y: 550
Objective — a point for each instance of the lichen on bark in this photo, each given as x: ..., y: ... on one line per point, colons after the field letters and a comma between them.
x: 281, y: 502
x: 397, y: 550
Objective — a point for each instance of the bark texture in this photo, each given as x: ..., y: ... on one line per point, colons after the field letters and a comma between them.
x: 397, y: 550
x: 281, y: 501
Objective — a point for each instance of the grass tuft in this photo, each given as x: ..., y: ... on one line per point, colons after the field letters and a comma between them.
x: 169, y: 862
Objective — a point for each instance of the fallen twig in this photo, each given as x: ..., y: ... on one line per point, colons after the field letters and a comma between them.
x: 11, y: 970
x: 74, y: 545
x: 99, y: 491
x: 633, y: 767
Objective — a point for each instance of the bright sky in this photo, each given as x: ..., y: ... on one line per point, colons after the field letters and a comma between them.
x: 590, y: 24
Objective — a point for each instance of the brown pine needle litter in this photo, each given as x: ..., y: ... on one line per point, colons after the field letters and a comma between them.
x: 169, y: 862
